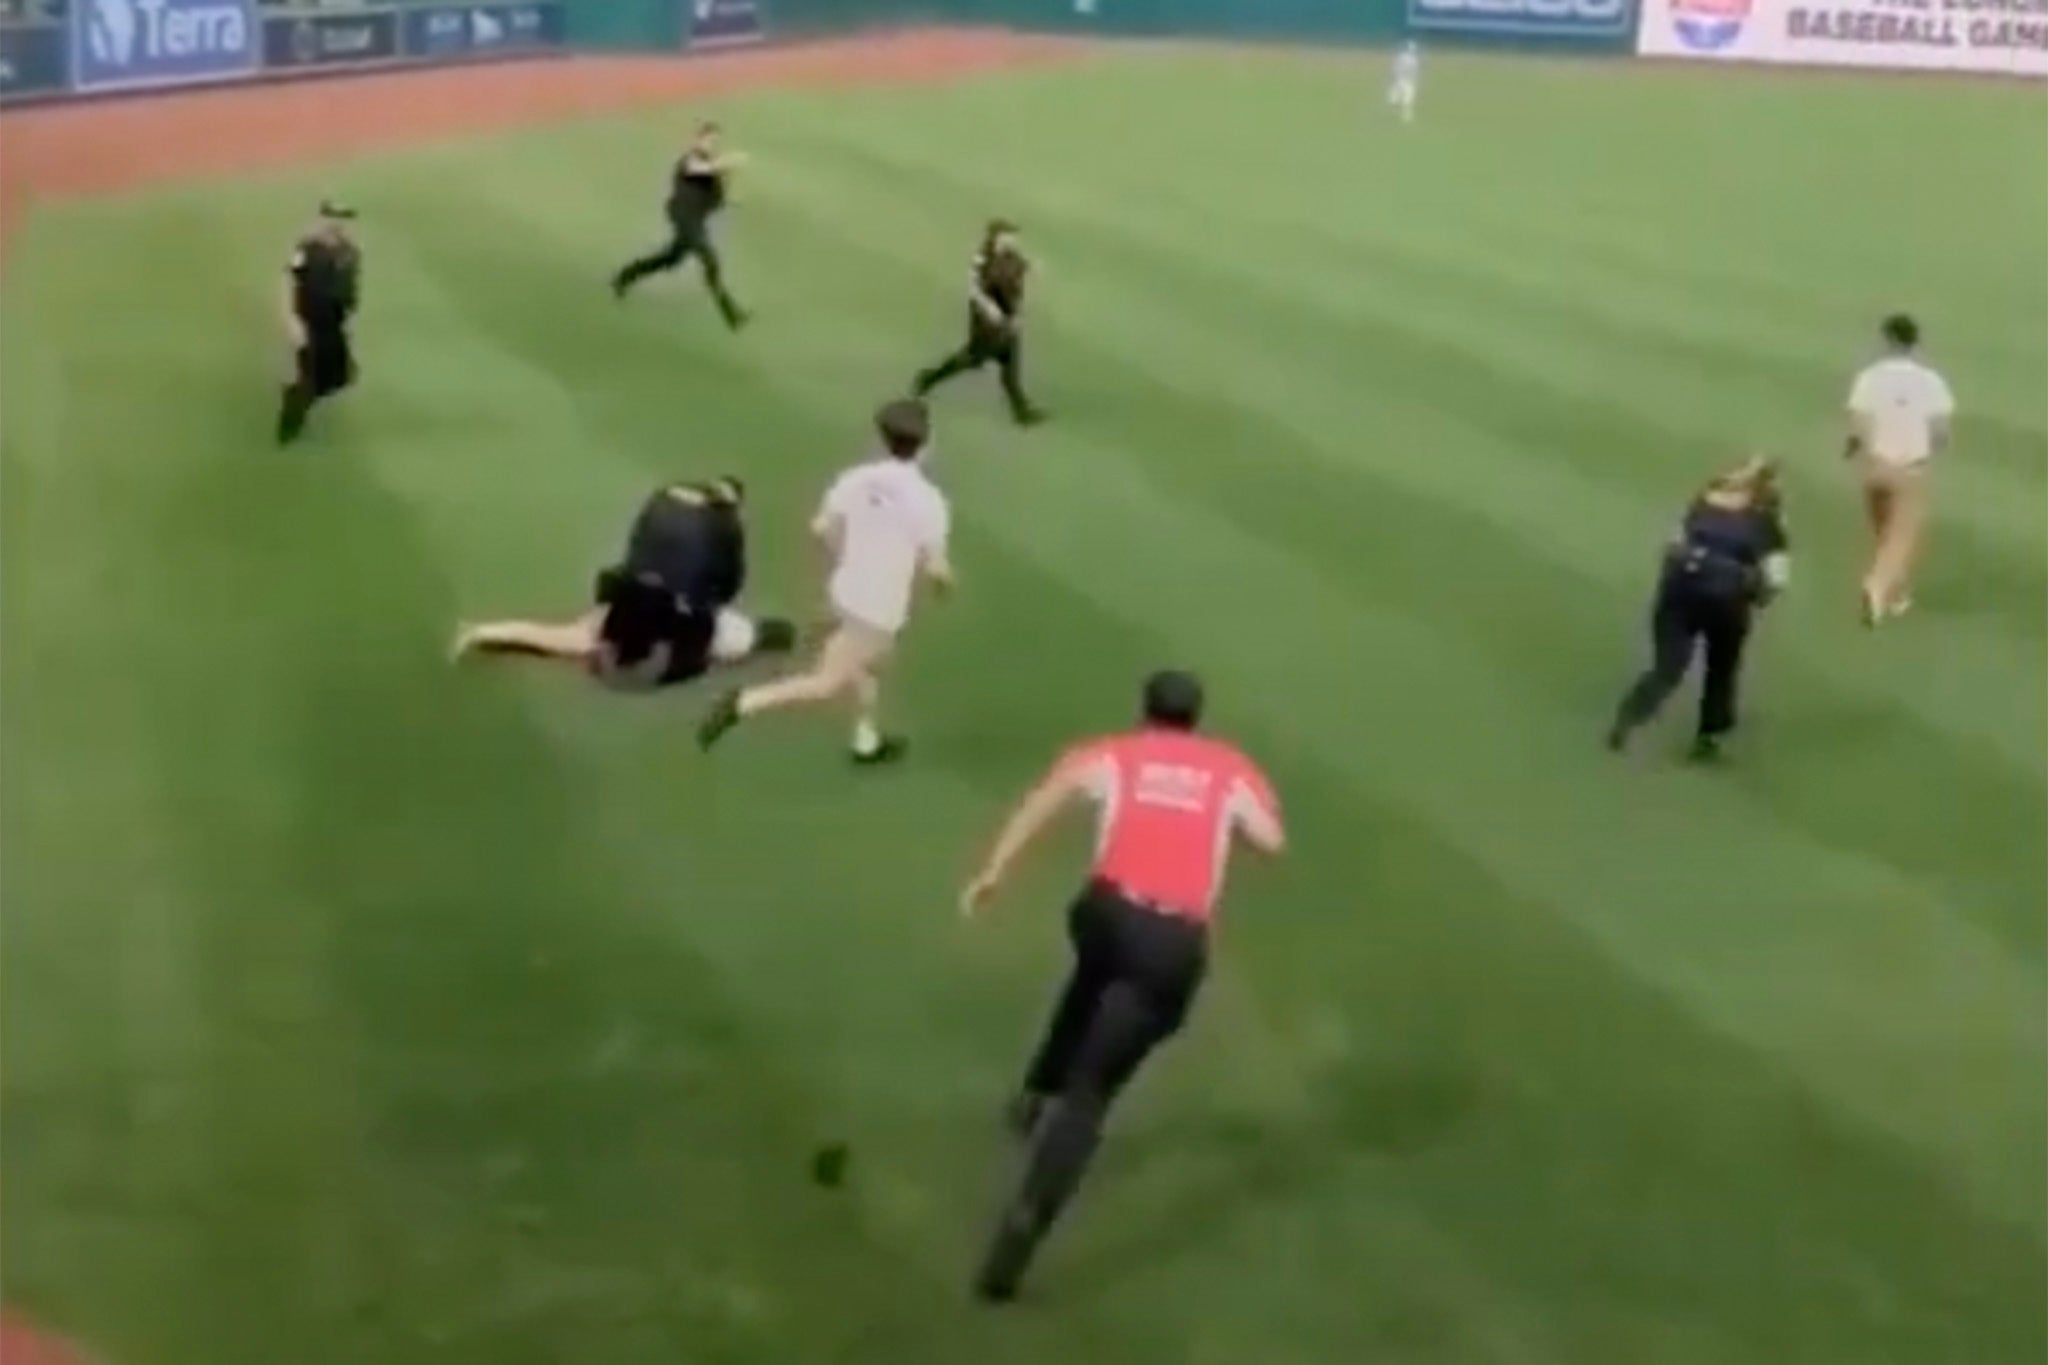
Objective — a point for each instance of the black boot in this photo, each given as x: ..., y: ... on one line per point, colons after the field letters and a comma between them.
x: 294, y: 406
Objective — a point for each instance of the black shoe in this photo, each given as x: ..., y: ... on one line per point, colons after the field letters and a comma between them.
x: 1022, y: 1113
x: 738, y: 319
x: 620, y: 284
x: 887, y: 752
x: 723, y: 716
x: 1705, y: 749
x: 1031, y: 417
x: 1009, y: 1253
x: 1617, y: 738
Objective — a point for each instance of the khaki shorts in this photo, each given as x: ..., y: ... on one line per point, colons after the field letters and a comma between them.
x: 1890, y: 476
x: 861, y: 644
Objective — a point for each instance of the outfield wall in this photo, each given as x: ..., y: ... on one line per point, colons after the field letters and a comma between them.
x: 53, y: 49
x: 60, y: 48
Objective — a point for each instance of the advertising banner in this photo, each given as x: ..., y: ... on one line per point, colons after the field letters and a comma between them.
x: 32, y: 55
x: 1994, y: 37
x: 364, y: 38
x: 140, y: 44
x: 1608, y: 20
x: 726, y: 23
x: 481, y: 30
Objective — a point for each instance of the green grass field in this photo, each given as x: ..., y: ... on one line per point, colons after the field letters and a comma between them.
x: 360, y: 1009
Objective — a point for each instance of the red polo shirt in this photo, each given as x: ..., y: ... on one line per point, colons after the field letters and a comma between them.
x: 1167, y: 804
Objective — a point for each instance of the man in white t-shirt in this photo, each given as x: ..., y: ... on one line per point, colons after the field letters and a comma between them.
x: 885, y: 525
x: 1899, y: 413
x: 1406, y: 86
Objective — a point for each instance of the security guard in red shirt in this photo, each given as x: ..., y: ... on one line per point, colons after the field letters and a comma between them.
x: 1170, y: 804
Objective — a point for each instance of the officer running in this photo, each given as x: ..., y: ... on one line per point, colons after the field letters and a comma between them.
x: 1730, y: 556
x: 664, y: 614
x: 1169, y: 803
x: 995, y: 310
x: 697, y: 192
x: 321, y: 290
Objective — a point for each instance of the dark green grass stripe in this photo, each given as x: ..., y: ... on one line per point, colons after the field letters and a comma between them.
x: 1419, y: 1059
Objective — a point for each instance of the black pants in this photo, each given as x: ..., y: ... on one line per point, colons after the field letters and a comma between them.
x: 1683, y: 619
x: 1136, y: 971
x: 986, y: 343
x: 687, y: 237
x: 327, y: 363
x: 326, y: 366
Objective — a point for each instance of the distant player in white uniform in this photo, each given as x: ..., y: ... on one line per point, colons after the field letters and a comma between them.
x: 1899, y: 413
x: 1406, y: 86
x: 886, y: 526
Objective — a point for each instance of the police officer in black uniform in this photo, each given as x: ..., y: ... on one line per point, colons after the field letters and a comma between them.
x: 995, y: 309
x: 1730, y: 556
x: 322, y: 289
x: 664, y: 613
x: 696, y: 194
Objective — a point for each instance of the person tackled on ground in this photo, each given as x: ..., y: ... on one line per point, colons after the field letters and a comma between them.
x: 1169, y: 802
x: 664, y: 613
x: 995, y: 313
x: 1900, y: 409
x: 697, y: 192
x: 322, y: 287
x: 1731, y: 555
x: 886, y: 525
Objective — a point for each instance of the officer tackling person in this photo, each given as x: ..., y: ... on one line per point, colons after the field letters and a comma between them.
x: 664, y: 614
x: 1730, y: 556
x: 321, y: 289
x: 697, y: 191
x: 995, y: 312
x: 1169, y: 802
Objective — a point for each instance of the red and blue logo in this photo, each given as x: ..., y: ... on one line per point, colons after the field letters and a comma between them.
x: 1709, y: 25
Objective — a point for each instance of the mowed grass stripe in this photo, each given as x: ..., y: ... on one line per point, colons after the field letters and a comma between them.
x: 1552, y: 641
x: 2012, y: 722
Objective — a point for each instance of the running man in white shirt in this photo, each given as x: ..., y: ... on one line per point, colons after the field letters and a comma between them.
x: 1899, y: 414
x: 1406, y: 86
x: 885, y: 525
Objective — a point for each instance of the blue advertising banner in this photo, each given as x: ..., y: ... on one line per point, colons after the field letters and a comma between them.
x: 363, y: 38
x: 31, y: 60
x: 726, y: 23
x: 482, y: 30
x: 1606, y: 21
x: 139, y: 44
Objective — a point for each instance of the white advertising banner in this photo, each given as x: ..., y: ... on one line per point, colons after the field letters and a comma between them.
x: 1998, y: 37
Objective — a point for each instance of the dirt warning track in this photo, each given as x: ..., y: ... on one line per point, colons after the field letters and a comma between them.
x: 109, y: 146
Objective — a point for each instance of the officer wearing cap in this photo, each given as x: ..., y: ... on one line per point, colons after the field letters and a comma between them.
x: 663, y: 613
x: 1169, y: 804
x: 322, y: 288
x: 1730, y: 556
